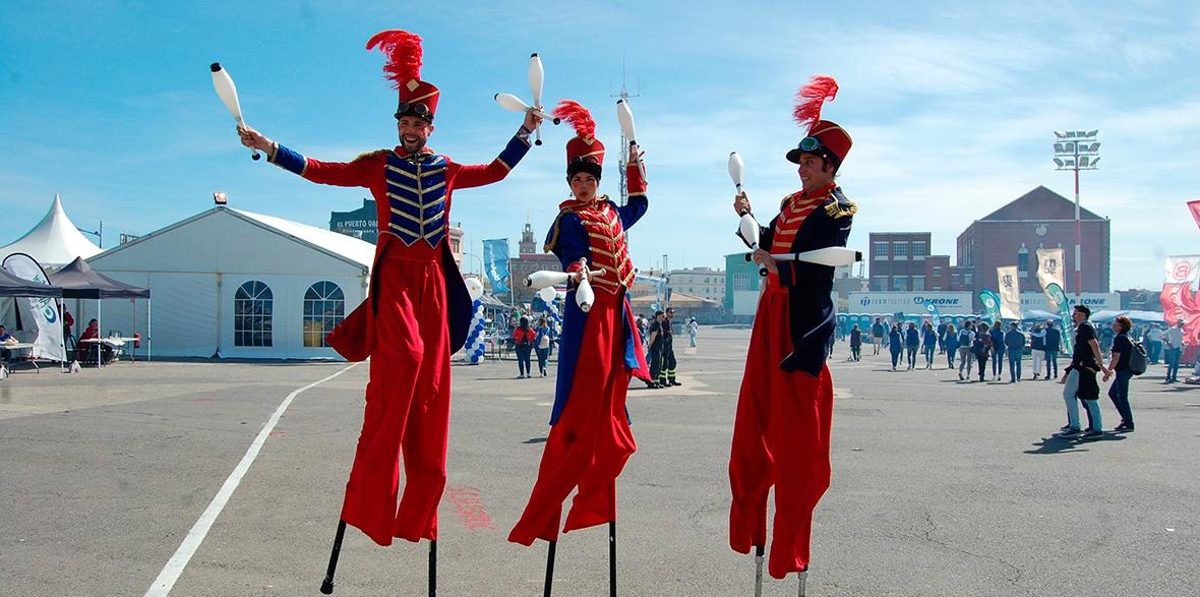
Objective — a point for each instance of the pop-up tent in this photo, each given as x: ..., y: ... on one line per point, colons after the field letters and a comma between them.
x: 11, y: 285
x: 79, y: 281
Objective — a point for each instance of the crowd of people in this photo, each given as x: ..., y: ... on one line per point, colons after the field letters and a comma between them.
x: 969, y: 349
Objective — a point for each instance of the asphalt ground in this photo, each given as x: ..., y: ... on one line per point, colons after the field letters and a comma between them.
x: 940, y: 487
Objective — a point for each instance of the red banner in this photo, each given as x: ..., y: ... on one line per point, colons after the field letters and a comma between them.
x: 1194, y: 207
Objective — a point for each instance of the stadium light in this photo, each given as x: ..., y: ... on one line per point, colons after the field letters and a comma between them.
x: 1081, y: 153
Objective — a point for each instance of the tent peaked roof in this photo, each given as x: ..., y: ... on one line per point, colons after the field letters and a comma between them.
x: 54, y: 241
x: 11, y: 285
x: 79, y: 280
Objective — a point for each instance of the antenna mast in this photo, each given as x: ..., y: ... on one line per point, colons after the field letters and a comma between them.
x: 624, y: 153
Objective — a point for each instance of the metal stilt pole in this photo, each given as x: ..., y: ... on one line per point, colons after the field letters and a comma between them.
x: 612, y: 558
x: 758, y: 566
x: 546, y: 587
x: 802, y: 576
x: 327, y: 584
x: 433, y: 568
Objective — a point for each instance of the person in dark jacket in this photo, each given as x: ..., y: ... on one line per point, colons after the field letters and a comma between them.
x: 982, y: 348
x: 951, y: 342
x: 523, y: 339
x: 895, y: 344
x: 997, y: 334
x: 912, y: 343
x: 1053, y: 345
x: 929, y: 343
x: 1118, y: 366
x: 1014, y: 342
x: 855, y: 343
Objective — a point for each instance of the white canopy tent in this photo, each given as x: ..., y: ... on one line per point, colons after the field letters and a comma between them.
x: 236, y: 284
x: 53, y: 242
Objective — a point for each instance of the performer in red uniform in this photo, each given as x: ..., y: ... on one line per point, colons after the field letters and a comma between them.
x: 785, y: 405
x: 590, y: 439
x: 418, y: 310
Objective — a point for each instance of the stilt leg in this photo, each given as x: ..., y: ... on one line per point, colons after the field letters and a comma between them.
x: 758, y: 567
x: 549, y: 570
x: 612, y: 558
x: 802, y: 576
x: 327, y: 584
x: 433, y: 568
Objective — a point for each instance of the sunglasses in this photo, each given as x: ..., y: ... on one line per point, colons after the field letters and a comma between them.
x: 809, y: 144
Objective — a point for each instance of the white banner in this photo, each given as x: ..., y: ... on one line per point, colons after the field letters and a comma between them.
x: 882, y: 302
x: 41, y: 313
x: 1050, y: 270
x: 1009, y: 289
x: 1182, y: 271
x: 1096, y: 301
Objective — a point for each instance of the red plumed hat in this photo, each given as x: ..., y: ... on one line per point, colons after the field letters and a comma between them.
x: 825, y: 139
x: 585, y: 153
x: 403, y: 68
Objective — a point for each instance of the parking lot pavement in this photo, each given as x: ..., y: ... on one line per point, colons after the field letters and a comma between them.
x: 940, y: 487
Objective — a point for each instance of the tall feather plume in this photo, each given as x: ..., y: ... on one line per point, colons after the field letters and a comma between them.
x: 403, y: 50
x: 811, y: 98
x: 578, y: 116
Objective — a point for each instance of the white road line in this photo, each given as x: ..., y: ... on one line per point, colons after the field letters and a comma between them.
x: 170, y: 573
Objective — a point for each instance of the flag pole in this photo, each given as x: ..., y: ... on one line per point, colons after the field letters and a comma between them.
x: 612, y: 558
x: 758, y: 565
x: 433, y: 568
x: 549, y: 570
x: 327, y: 584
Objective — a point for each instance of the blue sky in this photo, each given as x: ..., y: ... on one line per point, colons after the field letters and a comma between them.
x: 952, y: 107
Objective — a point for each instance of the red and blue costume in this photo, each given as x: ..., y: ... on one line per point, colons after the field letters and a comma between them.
x: 416, y: 316
x: 590, y: 439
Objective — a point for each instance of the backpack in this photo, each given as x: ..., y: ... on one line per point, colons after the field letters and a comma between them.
x: 1137, y: 359
x: 964, y: 338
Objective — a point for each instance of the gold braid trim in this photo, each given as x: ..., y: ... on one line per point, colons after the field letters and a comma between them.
x: 553, y: 242
x: 370, y: 154
x: 837, y: 210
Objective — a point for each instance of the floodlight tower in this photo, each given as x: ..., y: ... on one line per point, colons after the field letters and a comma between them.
x: 624, y: 153
x: 1076, y: 150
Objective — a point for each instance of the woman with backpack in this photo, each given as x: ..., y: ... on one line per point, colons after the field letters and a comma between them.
x: 523, y: 339
x: 542, y: 344
x: 981, y: 348
x: 1122, y: 352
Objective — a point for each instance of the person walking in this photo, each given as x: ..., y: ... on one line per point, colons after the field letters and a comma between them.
x: 1079, y: 378
x: 966, y: 346
x: 998, y: 348
x: 982, y: 349
x: 1053, y: 346
x: 692, y: 329
x: 1118, y: 368
x: 1173, y: 350
x: 941, y: 336
x: 524, y: 338
x: 951, y: 341
x: 542, y: 343
x: 912, y: 343
x: 878, y: 331
x: 929, y: 343
x: 1014, y: 344
x: 855, y: 343
x: 1153, y: 338
x: 895, y: 344
x: 1037, y: 349
x: 418, y: 312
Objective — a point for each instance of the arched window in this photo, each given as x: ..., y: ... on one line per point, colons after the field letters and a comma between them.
x: 324, y: 309
x: 252, y: 314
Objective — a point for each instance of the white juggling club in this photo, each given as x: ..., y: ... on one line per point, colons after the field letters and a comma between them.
x: 737, y: 169
x: 625, y: 118
x: 537, y: 77
x: 543, y: 278
x: 513, y: 103
x: 227, y: 91
x: 584, y: 295
x: 831, y: 256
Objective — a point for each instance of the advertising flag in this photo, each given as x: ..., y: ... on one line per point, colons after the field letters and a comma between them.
x: 1058, y: 297
x: 1010, y: 292
x: 932, y: 310
x: 1182, y: 271
x: 1194, y: 207
x: 43, y: 312
x: 1050, y: 270
x: 991, y: 304
x: 495, y: 262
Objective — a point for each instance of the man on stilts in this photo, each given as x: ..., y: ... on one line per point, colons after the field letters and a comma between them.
x: 590, y: 439
x: 781, y: 435
x: 418, y: 310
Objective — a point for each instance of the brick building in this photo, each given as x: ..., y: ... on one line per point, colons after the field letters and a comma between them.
x: 529, y: 259
x: 900, y: 262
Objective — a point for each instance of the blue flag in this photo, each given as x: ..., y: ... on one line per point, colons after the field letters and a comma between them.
x: 495, y: 263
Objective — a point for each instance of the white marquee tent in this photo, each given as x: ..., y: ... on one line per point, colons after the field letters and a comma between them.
x: 53, y: 242
x: 237, y: 284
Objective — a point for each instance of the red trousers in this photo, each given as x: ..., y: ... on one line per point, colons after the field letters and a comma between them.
x: 780, y: 438
x: 408, y: 402
x: 591, y: 441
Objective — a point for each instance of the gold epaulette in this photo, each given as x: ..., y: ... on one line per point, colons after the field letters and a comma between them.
x: 370, y: 154
x: 841, y: 208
